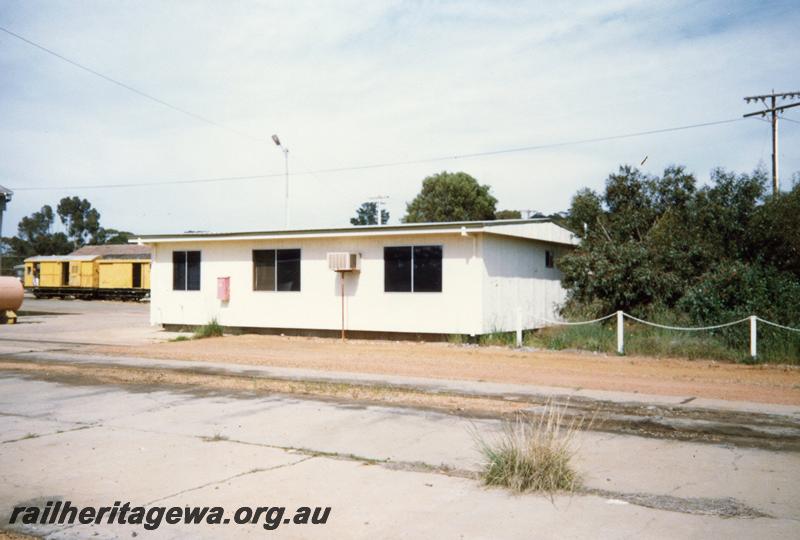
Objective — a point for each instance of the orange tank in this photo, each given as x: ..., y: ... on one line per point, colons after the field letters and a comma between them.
x: 11, y: 293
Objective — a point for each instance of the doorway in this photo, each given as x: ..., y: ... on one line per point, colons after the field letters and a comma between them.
x: 64, y: 274
x: 136, y: 282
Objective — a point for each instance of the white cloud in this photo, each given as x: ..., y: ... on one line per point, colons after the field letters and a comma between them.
x: 348, y: 83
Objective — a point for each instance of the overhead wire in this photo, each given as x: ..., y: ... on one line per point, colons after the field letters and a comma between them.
x: 529, y: 148
x: 130, y: 88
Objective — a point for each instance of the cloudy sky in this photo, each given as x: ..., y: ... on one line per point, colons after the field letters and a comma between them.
x: 352, y: 83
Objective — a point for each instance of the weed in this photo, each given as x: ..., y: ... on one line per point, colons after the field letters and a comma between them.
x: 217, y: 437
x: 180, y: 338
x: 212, y: 329
x: 456, y: 339
x: 502, y: 339
x: 533, y: 452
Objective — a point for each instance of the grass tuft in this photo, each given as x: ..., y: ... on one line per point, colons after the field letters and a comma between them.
x: 212, y: 329
x: 456, y: 339
x: 498, y: 338
x: 533, y: 453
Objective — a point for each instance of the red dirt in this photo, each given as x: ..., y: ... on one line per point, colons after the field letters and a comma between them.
x: 708, y: 379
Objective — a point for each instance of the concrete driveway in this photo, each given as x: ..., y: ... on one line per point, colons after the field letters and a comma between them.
x: 385, y: 473
x: 83, y: 321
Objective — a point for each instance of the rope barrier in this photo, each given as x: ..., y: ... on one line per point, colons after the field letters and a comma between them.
x: 575, y: 323
x: 620, y: 315
x: 667, y: 327
x: 777, y: 325
x: 686, y: 328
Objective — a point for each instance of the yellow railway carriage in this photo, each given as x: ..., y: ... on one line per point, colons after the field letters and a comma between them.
x: 124, y: 274
x: 62, y: 275
x: 119, y: 274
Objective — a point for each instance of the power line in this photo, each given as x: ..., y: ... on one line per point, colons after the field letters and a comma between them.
x: 391, y: 163
x: 130, y: 88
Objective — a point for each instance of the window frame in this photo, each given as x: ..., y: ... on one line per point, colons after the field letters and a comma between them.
x: 412, y: 248
x: 185, y: 264
x: 275, y: 284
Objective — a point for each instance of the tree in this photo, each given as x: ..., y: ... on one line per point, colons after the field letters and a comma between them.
x: 451, y: 197
x: 80, y: 219
x: 774, y: 231
x: 34, y: 237
x: 508, y: 214
x: 367, y: 214
x: 112, y: 236
x: 647, y: 240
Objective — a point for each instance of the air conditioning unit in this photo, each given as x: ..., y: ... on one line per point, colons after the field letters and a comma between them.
x: 344, y: 261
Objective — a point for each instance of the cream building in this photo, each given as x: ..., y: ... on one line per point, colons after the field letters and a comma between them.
x: 427, y: 280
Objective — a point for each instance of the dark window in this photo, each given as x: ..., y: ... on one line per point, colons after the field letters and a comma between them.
x: 178, y: 270
x: 397, y: 269
x: 276, y: 270
x: 264, y: 270
x: 427, y: 268
x: 186, y: 270
x: 192, y: 270
x: 65, y: 273
x: 288, y: 271
x: 412, y: 269
x: 549, y: 260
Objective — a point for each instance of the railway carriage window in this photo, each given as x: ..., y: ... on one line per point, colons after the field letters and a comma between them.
x: 412, y: 269
x: 276, y: 270
x: 186, y: 270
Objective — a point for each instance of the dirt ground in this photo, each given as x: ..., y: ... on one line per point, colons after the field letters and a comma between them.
x: 707, y: 379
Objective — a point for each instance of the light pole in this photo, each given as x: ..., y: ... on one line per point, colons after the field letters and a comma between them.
x: 285, y: 151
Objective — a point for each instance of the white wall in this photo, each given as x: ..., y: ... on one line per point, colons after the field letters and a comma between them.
x: 516, y: 277
x: 457, y: 309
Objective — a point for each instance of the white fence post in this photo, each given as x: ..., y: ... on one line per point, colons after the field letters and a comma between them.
x: 620, y: 334
x: 519, y: 327
x: 753, y: 337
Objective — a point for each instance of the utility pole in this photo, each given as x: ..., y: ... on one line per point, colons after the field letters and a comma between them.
x: 771, y: 102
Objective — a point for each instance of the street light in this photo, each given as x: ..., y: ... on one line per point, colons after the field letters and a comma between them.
x: 285, y: 151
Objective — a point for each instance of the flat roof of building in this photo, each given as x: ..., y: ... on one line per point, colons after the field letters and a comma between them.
x: 541, y: 229
x: 115, y: 251
x: 61, y: 258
